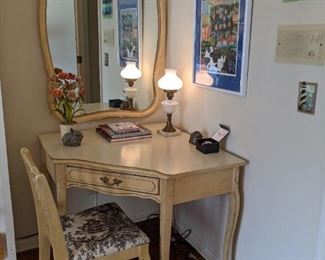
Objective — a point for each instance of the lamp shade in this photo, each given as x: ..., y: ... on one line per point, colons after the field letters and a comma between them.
x: 131, y: 71
x: 170, y: 81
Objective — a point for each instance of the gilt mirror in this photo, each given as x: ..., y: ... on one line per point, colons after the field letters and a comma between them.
x: 96, y: 39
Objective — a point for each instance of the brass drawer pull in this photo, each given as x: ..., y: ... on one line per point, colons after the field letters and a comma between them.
x: 116, y: 181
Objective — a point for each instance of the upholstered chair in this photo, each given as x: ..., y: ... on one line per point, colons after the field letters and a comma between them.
x: 103, y: 232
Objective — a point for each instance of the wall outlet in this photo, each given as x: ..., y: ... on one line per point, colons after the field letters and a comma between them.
x: 106, y: 59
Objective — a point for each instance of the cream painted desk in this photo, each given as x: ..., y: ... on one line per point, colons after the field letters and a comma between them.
x: 168, y: 170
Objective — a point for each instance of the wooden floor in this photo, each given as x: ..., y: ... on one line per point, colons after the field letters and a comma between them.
x: 180, y: 250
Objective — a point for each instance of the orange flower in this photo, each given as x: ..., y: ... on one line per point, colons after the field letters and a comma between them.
x: 72, y: 96
x: 62, y: 75
x: 67, y: 90
x: 57, y: 93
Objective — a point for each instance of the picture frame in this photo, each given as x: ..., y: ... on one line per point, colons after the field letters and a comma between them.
x: 129, y: 31
x: 221, y: 44
x: 307, y: 97
x: 107, y: 9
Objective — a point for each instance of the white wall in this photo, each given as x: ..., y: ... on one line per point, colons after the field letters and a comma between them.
x: 284, y: 179
x: 61, y: 34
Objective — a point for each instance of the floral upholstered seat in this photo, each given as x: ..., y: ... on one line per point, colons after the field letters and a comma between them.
x: 103, y: 232
x: 100, y: 231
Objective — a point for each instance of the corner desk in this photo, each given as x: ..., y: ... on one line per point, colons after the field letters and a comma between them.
x: 168, y: 170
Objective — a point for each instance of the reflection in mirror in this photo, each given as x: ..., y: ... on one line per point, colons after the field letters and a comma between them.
x: 95, y: 39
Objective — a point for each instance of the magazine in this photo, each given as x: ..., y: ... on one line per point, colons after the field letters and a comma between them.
x: 123, y: 135
x: 124, y: 127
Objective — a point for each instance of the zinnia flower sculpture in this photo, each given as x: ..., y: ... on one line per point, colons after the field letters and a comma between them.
x: 68, y: 92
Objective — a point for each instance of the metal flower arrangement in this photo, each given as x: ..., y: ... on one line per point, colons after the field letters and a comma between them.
x: 68, y: 93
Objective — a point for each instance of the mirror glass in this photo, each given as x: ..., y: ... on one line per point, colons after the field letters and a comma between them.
x: 95, y: 39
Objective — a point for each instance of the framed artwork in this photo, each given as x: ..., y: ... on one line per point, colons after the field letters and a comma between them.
x: 130, y: 31
x: 307, y: 97
x: 222, y: 34
x: 107, y: 9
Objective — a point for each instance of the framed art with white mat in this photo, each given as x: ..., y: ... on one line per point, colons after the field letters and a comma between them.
x: 221, y: 51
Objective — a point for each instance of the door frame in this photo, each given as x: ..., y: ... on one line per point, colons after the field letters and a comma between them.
x: 6, y: 216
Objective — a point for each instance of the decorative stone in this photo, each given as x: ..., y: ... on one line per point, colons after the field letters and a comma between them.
x: 72, y: 138
x: 194, y: 137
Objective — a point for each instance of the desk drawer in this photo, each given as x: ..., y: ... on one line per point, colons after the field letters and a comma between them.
x: 113, y: 180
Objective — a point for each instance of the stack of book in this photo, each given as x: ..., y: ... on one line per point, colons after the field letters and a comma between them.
x: 124, y: 131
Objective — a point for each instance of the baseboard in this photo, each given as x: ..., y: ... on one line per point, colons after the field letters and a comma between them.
x: 143, y: 215
x: 27, y: 243
x: 320, y: 248
x: 197, y: 244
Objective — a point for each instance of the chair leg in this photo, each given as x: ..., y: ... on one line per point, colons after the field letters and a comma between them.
x: 44, y: 248
x: 144, y: 252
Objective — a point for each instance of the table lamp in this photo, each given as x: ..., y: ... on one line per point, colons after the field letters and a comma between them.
x: 170, y: 83
x: 130, y: 73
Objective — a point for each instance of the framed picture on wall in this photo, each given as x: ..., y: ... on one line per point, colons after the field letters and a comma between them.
x: 222, y: 34
x: 130, y: 31
x: 107, y: 9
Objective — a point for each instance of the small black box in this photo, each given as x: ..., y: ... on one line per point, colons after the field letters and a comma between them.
x: 115, y: 103
x: 207, y: 145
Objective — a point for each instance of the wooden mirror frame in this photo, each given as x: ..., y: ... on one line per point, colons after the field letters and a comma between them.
x: 158, y: 71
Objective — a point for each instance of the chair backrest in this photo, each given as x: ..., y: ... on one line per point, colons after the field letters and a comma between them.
x: 49, y: 226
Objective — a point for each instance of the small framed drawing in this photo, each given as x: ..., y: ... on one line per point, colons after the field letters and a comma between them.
x: 129, y: 31
x: 307, y: 97
x: 107, y: 9
x: 221, y: 50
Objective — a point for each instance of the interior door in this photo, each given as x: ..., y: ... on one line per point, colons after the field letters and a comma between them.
x: 7, y: 236
x: 87, y: 45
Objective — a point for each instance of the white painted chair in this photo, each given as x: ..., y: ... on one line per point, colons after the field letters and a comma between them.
x: 103, y: 232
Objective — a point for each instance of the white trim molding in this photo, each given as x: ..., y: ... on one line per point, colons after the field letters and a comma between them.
x: 6, y: 217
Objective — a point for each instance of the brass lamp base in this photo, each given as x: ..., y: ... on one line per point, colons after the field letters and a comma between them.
x: 169, y: 129
x: 168, y: 134
x: 130, y: 104
x: 169, y: 126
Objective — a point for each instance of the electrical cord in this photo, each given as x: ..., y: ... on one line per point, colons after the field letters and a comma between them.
x: 176, y: 237
x: 187, y: 232
x: 180, y: 238
x: 151, y: 216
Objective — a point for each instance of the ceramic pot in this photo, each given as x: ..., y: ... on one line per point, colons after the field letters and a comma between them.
x: 66, y: 128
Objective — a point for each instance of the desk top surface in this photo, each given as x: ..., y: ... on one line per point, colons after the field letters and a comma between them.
x: 166, y: 155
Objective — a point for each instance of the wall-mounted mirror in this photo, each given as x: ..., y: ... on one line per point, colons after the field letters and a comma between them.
x: 95, y: 39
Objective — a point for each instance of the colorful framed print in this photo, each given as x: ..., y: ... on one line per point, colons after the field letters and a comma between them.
x: 130, y: 31
x: 222, y: 34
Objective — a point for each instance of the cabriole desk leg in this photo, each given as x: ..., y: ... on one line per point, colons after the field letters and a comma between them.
x: 61, y: 192
x: 166, y: 217
x: 233, y: 213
